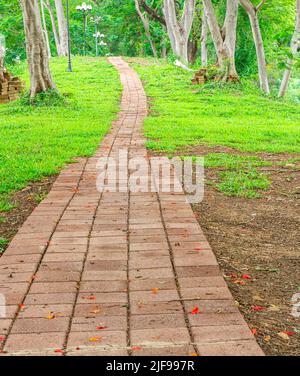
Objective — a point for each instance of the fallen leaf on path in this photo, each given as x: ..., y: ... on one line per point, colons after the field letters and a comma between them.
x: 59, y: 351
x: 51, y: 316
x: 195, y: 311
x: 96, y: 310
x: 101, y: 327
x: 2, y: 339
x: 273, y: 308
x: 257, y: 308
x: 154, y: 290
x: 267, y: 338
x: 254, y: 331
x: 95, y: 339
x: 283, y: 336
x: 136, y: 348
x: 22, y: 307
x: 288, y: 333
x: 258, y: 298
x: 246, y: 276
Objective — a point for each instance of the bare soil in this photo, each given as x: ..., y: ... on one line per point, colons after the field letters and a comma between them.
x: 258, y: 239
x: 25, y: 201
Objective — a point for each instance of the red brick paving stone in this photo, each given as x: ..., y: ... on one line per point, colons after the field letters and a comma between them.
x: 53, y: 287
x: 34, y: 342
x: 157, y: 319
x: 212, y: 306
x: 216, y: 319
x: 40, y: 325
x: 99, y: 323
x: 103, y: 309
x: 161, y: 336
x: 149, y: 284
x: 236, y: 348
x: 4, y: 325
x: 108, y: 351
x: 147, y: 308
x: 97, y: 339
x: 42, y: 311
x: 206, y: 293
x: 51, y: 298
x: 108, y: 297
x: 171, y: 350
x: 222, y: 333
x: 156, y: 296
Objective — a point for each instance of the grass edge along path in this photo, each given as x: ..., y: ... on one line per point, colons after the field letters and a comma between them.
x: 37, y: 141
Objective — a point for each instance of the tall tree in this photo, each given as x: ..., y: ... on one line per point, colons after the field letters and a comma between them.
x: 45, y: 31
x: 54, y: 29
x: 62, y: 28
x: 37, y: 54
x: 295, y: 46
x: 146, y: 24
x: 204, y: 57
x: 253, y: 12
x: 224, y: 39
x: 179, y: 29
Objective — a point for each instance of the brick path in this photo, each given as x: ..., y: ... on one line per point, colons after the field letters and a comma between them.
x: 116, y: 273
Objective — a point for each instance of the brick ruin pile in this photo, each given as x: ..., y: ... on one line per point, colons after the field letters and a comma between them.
x: 10, y: 88
x: 200, y: 77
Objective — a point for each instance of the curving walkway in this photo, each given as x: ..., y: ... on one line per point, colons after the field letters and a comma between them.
x: 94, y: 273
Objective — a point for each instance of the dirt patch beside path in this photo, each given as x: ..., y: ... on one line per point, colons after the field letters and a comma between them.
x: 259, y: 239
x: 25, y: 201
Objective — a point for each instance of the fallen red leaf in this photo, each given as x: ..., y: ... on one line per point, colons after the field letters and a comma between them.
x: 21, y: 306
x: 195, y: 311
x: 246, y: 276
x: 59, y: 351
x: 101, y: 327
x: 254, y: 331
x: 257, y: 308
x: 136, y: 348
x: 198, y: 249
x: 2, y: 339
x: 288, y: 333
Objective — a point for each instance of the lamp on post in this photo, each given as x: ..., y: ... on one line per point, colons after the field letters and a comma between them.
x: 69, y: 39
x: 84, y: 8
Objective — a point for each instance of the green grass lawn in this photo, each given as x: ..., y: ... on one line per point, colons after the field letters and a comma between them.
x: 36, y: 141
x: 236, y: 116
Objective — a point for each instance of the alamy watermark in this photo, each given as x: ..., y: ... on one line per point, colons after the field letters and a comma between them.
x: 153, y: 174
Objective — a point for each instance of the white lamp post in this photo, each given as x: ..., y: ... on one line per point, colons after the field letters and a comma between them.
x: 85, y: 9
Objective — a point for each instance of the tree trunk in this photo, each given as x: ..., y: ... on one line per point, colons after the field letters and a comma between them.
x: 179, y: 30
x: 1, y: 63
x: 146, y: 24
x: 192, y: 51
x: 230, y: 26
x: 259, y: 44
x: 295, y: 45
x: 54, y: 29
x: 37, y: 56
x: 204, y: 54
x: 45, y: 31
x: 62, y: 28
x: 225, y: 41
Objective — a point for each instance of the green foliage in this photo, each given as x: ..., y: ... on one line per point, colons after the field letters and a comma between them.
x: 40, y: 139
x: 236, y: 116
x: 3, y: 244
x: 243, y: 183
